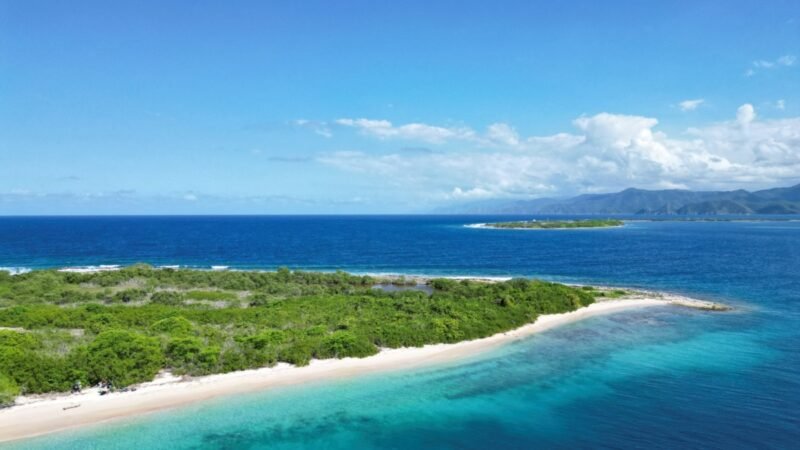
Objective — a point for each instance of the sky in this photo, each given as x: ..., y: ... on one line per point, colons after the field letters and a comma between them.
x: 296, y: 107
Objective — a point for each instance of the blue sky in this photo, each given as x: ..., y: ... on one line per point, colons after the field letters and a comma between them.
x: 388, y: 107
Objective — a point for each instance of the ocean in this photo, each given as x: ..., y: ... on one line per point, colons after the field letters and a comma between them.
x: 662, y: 377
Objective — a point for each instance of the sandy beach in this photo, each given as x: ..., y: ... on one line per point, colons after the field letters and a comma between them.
x: 46, y: 414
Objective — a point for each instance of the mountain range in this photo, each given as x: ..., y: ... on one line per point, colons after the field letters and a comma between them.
x: 640, y: 201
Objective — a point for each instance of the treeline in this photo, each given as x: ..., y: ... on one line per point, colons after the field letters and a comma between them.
x: 264, y: 318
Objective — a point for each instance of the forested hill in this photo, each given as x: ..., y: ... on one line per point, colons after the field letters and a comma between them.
x: 640, y: 201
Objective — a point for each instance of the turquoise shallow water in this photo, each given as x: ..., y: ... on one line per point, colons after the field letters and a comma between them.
x: 660, y: 377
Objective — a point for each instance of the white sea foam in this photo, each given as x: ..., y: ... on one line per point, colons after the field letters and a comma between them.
x: 219, y: 267
x: 91, y: 269
x: 15, y: 270
x: 476, y: 225
x: 430, y: 276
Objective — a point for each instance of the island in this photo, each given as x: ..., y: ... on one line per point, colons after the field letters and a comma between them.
x: 77, y: 340
x: 555, y: 224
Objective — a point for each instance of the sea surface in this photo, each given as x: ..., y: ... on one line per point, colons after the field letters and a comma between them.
x: 661, y: 377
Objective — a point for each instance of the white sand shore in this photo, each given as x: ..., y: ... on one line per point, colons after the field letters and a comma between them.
x: 46, y: 414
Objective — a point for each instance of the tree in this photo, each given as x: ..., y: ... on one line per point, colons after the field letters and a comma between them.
x: 341, y: 344
x: 188, y: 354
x: 175, y: 325
x: 123, y: 357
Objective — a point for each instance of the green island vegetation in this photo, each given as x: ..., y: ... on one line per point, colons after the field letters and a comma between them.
x: 123, y: 327
x: 606, y: 292
x: 556, y: 224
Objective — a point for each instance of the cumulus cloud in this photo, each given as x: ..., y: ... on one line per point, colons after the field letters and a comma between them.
x: 503, y: 133
x: 615, y: 130
x: 606, y: 152
x: 745, y: 114
x: 691, y: 105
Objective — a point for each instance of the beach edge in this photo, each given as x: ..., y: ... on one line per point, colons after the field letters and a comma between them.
x: 41, y: 415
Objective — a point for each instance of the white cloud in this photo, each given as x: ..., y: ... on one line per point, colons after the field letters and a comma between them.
x: 320, y: 128
x: 503, y: 134
x: 745, y: 114
x: 471, y: 194
x: 608, y: 152
x: 497, y: 135
x: 786, y: 60
x: 691, y: 105
x: 383, y: 129
x: 616, y: 131
x: 783, y: 61
x: 780, y: 104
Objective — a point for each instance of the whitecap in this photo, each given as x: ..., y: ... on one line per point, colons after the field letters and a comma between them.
x: 90, y: 269
x: 15, y: 270
x: 476, y: 225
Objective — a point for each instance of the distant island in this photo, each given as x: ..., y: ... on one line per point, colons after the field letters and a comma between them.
x: 640, y: 201
x: 555, y: 224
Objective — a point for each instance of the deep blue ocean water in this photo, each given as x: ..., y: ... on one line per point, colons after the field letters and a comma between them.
x: 652, y: 378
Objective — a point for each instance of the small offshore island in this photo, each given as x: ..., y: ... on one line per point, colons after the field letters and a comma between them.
x: 114, y: 332
x: 555, y: 224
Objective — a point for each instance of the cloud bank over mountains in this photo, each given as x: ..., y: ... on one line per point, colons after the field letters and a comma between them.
x: 376, y: 165
x: 604, y: 152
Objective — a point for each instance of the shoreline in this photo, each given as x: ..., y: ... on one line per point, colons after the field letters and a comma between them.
x: 39, y: 415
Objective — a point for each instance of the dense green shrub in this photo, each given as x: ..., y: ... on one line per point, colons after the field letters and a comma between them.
x: 342, y: 344
x: 189, y: 355
x: 129, y: 295
x: 265, y: 338
x: 295, y: 316
x: 259, y: 299
x: 176, y: 325
x: 101, y: 322
x: 299, y: 354
x: 24, y: 360
x: 8, y: 391
x: 170, y: 298
x: 211, y: 295
x: 123, y: 358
